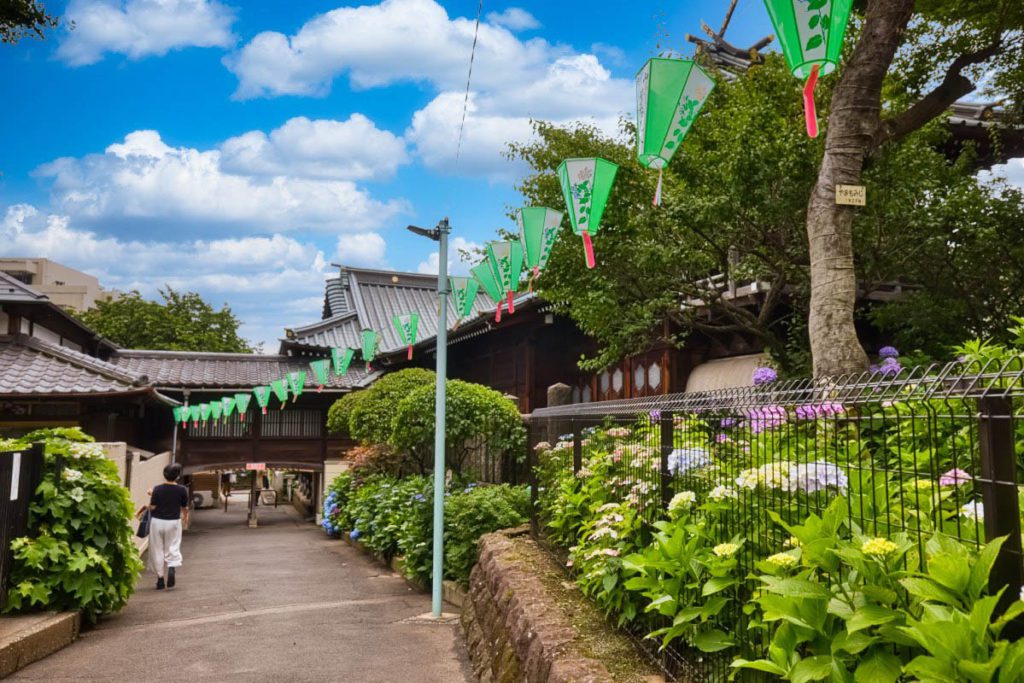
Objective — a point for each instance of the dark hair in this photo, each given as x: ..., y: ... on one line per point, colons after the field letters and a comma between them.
x: 172, y: 472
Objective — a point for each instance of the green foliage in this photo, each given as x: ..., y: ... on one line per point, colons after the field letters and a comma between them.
x: 477, y: 419
x: 370, y: 419
x: 21, y: 18
x: 392, y: 516
x: 182, y: 322
x: 81, y: 555
x: 340, y: 413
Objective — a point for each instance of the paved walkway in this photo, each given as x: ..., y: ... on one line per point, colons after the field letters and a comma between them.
x: 281, y: 602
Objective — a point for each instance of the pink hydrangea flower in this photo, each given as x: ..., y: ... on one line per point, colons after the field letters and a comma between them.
x: 954, y: 477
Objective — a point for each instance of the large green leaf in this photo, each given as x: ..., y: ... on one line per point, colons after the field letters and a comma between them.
x: 816, y: 668
x: 712, y: 641
x: 878, y: 666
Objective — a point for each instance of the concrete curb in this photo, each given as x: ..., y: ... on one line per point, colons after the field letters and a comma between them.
x: 30, y: 637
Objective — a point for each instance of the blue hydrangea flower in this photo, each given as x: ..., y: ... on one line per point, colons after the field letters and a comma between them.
x: 419, y: 498
x: 683, y: 460
x: 355, y: 534
x: 888, y: 352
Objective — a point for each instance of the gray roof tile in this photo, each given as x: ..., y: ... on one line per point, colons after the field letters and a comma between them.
x: 30, y: 366
x: 13, y: 290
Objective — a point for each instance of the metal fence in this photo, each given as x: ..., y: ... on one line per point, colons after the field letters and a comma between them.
x: 20, y: 473
x: 930, y: 450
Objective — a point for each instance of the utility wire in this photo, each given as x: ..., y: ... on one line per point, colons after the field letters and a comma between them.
x: 469, y: 77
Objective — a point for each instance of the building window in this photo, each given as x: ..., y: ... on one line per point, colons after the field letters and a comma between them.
x: 654, y: 376
x: 606, y: 382
x: 639, y: 378
x: 617, y: 378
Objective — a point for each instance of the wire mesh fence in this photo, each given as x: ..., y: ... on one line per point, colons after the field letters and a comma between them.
x: 932, y: 451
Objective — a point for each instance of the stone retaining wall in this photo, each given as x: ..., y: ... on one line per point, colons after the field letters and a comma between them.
x: 524, y: 622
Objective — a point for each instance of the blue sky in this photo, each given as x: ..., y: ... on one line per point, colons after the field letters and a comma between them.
x: 239, y: 149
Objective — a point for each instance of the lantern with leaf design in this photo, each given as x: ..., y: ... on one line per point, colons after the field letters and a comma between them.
x: 506, y: 259
x: 242, y: 405
x: 204, y: 412
x: 483, y: 273
x: 215, y: 409
x: 669, y: 96
x: 228, y: 406
x: 406, y: 326
x: 811, y: 34
x: 538, y: 230
x: 262, y: 397
x: 296, y: 383
x: 586, y: 184
x: 280, y: 388
x: 341, y: 359
x: 194, y: 413
x: 369, y: 346
x: 181, y: 416
x: 320, y: 369
x: 464, y: 291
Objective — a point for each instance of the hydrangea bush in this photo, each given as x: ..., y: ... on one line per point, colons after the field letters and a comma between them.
x: 80, y: 554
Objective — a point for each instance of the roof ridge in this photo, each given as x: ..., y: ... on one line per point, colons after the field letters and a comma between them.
x: 80, y: 359
x: 18, y: 284
x: 196, y: 355
x: 326, y: 322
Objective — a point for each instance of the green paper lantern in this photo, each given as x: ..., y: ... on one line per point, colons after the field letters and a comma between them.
x: 280, y: 388
x: 586, y: 184
x: 464, y: 291
x: 242, y: 404
x: 228, y: 406
x: 342, y: 358
x: 406, y: 326
x: 669, y: 96
x: 262, y: 397
x: 194, y: 414
x: 215, y: 409
x: 506, y: 259
x: 369, y: 346
x: 811, y: 34
x: 484, y: 274
x: 181, y: 415
x: 297, y: 382
x: 320, y: 369
x: 538, y: 230
x: 204, y: 411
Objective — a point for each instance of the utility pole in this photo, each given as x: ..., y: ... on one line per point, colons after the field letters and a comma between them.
x: 440, y: 235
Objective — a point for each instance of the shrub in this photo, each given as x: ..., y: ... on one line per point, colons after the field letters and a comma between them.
x: 370, y: 417
x: 378, y: 509
x: 82, y: 556
x: 340, y: 413
x: 477, y: 419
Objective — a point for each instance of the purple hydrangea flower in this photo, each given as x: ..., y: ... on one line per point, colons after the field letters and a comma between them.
x: 722, y: 438
x: 954, y: 477
x: 764, y: 375
x: 888, y: 352
x: 655, y: 415
x: 728, y: 422
x: 890, y: 367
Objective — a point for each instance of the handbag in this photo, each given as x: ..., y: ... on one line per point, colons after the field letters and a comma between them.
x: 143, y: 530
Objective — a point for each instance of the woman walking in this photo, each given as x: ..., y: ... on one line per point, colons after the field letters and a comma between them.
x: 168, y: 508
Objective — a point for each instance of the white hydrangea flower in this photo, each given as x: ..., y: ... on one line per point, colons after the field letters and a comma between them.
x: 974, y: 511
x: 722, y: 492
x: 71, y: 475
x: 682, y: 500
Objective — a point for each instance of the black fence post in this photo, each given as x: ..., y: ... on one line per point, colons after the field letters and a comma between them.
x: 667, y: 446
x: 577, y: 447
x: 998, y: 485
x: 21, y: 473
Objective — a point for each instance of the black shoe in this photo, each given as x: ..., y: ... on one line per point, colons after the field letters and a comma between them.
x: 170, y: 577
x: 160, y: 583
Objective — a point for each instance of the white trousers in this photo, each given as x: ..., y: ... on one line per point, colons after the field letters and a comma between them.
x: 164, y: 545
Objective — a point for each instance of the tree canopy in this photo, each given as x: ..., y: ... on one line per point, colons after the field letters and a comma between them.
x: 735, y: 201
x: 181, y: 322
x: 21, y: 18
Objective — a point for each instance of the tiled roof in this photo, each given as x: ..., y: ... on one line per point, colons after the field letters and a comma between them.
x: 31, y: 366
x: 189, y: 370
x: 13, y: 290
x: 377, y: 296
x: 336, y: 298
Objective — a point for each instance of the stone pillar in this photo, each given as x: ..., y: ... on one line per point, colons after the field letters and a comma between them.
x: 558, y: 395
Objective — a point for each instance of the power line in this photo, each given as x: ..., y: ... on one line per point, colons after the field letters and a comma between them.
x: 469, y: 77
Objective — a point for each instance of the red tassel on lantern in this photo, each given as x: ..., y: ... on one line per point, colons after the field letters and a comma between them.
x: 241, y: 416
x: 810, y: 112
x: 511, y: 302
x: 410, y: 351
x: 588, y: 247
x: 497, y: 312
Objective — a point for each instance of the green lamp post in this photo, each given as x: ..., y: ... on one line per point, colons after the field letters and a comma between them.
x: 538, y: 230
x: 811, y: 34
x: 586, y: 184
x: 669, y: 96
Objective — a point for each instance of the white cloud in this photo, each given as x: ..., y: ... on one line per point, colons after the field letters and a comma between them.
x: 138, y: 28
x: 415, y: 41
x: 268, y: 281
x: 144, y: 178
x: 456, y: 264
x: 362, y: 249
x: 514, y: 18
x: 345, y: 150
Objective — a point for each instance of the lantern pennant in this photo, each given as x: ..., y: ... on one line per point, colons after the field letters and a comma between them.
x: 181, y: 416
x: 320, y: 369
x: 204, y: 412
x: 342, y: 358
x: 195, y: 412
x: 297, y: 382
x: 369, y: 346
x: 262, y: 397
x: 484, y: 274
x: 506, y: 260
x: 538, y: 230
x: 242, y: 405
x: 228, y: 404
x: 464, y: 291
x: 669, y: 96
x: 586, y: 184
x: 811, y: 34
x: 280, y: 388
x: 215, y: 409
x: 406, y: 326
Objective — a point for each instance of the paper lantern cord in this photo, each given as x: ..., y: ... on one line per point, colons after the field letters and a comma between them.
x: 588, y: 247
x: 657, y: 192
x: 810, y: 113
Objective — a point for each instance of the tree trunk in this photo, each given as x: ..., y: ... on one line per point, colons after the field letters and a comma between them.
x: 853, y: 122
